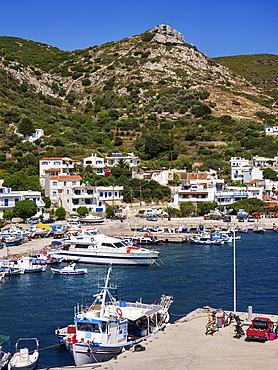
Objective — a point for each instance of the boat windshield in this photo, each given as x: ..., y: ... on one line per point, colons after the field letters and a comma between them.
x: 92, y: 232
x: 119, y: 245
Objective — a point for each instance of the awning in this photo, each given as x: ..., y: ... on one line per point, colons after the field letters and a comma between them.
x: 114, y: 202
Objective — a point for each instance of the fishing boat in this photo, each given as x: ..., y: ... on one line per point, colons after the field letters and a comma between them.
x: 2, y: 275
x: 108, y: 326
x: 26, y: 263
x: 243, y: 230
x: 259, y: 229
x: 42, y: 231
x: 69, y: 270
x: 92, y: 219
x: 24, y: 359
x: 4, y: 356
x: 59, y: 231
x: 44, y: 258
x: 10, y: 271
x: 91, y: 246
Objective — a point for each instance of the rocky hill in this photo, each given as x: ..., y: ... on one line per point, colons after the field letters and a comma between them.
x: 152, y: 93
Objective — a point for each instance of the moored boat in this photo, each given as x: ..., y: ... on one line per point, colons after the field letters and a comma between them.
x: 91, y: 246
x: 44, y: 258
x: 259, y: 229
x: 69, y: 270
x: 92, y: 219
x: 24, y: 359
x: 4, y: 356
x: 102, y: 330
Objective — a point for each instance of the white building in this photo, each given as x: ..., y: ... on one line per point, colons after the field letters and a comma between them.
x: 163, y: 177
x: 97, y: 163
x: 271, y: 130
x: 68, y: 192
x: 238, y: 165
x: 252, y: 173
x: 8, y: 199
x: 130, y: 158
x: 34, y: 136
x: 55, y: 166
x: 264, y: 161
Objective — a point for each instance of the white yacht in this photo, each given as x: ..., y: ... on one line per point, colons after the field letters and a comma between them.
x: 102, y: 330
x: 91, y: 246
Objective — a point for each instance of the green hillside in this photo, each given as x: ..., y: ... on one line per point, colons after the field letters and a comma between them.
x: 260, y: 69
x: 149, y: 94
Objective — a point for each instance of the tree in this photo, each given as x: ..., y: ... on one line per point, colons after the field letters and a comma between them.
x: 8, y: 214
x: 25, y: 126
x: 111, y: 210
x: 47, y: 202
x: 24, y: 209
x: 269, y: 173
x: 82, y: 210
x: 170, y: 211
x: 60, y: 213
x: 187, y: 208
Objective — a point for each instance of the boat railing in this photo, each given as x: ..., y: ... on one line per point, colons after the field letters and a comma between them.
x: 129, y: 304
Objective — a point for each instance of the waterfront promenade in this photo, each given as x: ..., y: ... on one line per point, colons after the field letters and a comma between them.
x: 131, y: 226
x: 184, y: 345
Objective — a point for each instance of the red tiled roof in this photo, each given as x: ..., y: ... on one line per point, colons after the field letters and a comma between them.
x: 53, y: 169
x: 68, y: 177
x: 253, y: 181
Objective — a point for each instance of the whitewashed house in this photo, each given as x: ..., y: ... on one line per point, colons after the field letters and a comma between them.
x: 8, y: 198
x: 69, y: 193
x: 34, y: 136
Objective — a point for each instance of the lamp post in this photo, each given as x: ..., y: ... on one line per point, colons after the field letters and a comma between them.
x: 234, y: 269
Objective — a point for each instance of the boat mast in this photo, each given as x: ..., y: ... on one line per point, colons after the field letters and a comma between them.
x: 102, y: 307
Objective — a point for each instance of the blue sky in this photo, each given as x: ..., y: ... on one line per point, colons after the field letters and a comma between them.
x: 216, y: 27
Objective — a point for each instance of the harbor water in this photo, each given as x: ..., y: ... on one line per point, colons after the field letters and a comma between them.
x: 34, y: 305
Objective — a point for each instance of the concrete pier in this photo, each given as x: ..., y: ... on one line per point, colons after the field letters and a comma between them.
x: 184, y: 345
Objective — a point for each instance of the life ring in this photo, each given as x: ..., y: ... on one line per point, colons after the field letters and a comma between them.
x: 119, y: 311
x: 69, y: 235
x: 92, y: 239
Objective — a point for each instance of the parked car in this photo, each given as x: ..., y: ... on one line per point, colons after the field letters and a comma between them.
x: 48, y: 221
x: 257, y: 215
x: 73, y: 219
x: 227, y: 218
x: 251, y: 219
x: 240, y: 219
x: 34, y: 220
x: 206, y: 217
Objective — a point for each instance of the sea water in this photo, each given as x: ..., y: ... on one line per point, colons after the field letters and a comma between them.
x: 34, y: 305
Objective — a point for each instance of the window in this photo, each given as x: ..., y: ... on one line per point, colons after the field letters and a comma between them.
x: 101, y: 194
x: 16, y: 200
x: 68, y: 191
x: 80, y: 326
x: 1, y: 191
x: 54, y: 183
x: 87, y: 326
x: 6, y: 202
x: 44, y: 163
x: 116, y: 193
x: 95, y: 328
x: 105, y: 194
x: 73, y: 183
x: 110, y: 194
x: 54, y: 193
x: 65, y: 183
x: 57, y: 163
x: 34, y: 200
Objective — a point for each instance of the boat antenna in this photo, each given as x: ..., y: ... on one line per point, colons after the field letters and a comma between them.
x: 102, y: 307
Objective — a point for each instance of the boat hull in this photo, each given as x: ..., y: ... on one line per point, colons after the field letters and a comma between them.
x: 120, y: 259
x: 81, y: 355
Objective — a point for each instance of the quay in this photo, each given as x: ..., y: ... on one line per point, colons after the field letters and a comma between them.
x: 184, y: 345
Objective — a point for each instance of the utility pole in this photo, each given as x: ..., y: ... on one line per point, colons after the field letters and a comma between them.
x: 113, y: 195
x: 131, y: 197
x: 140, y: 194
